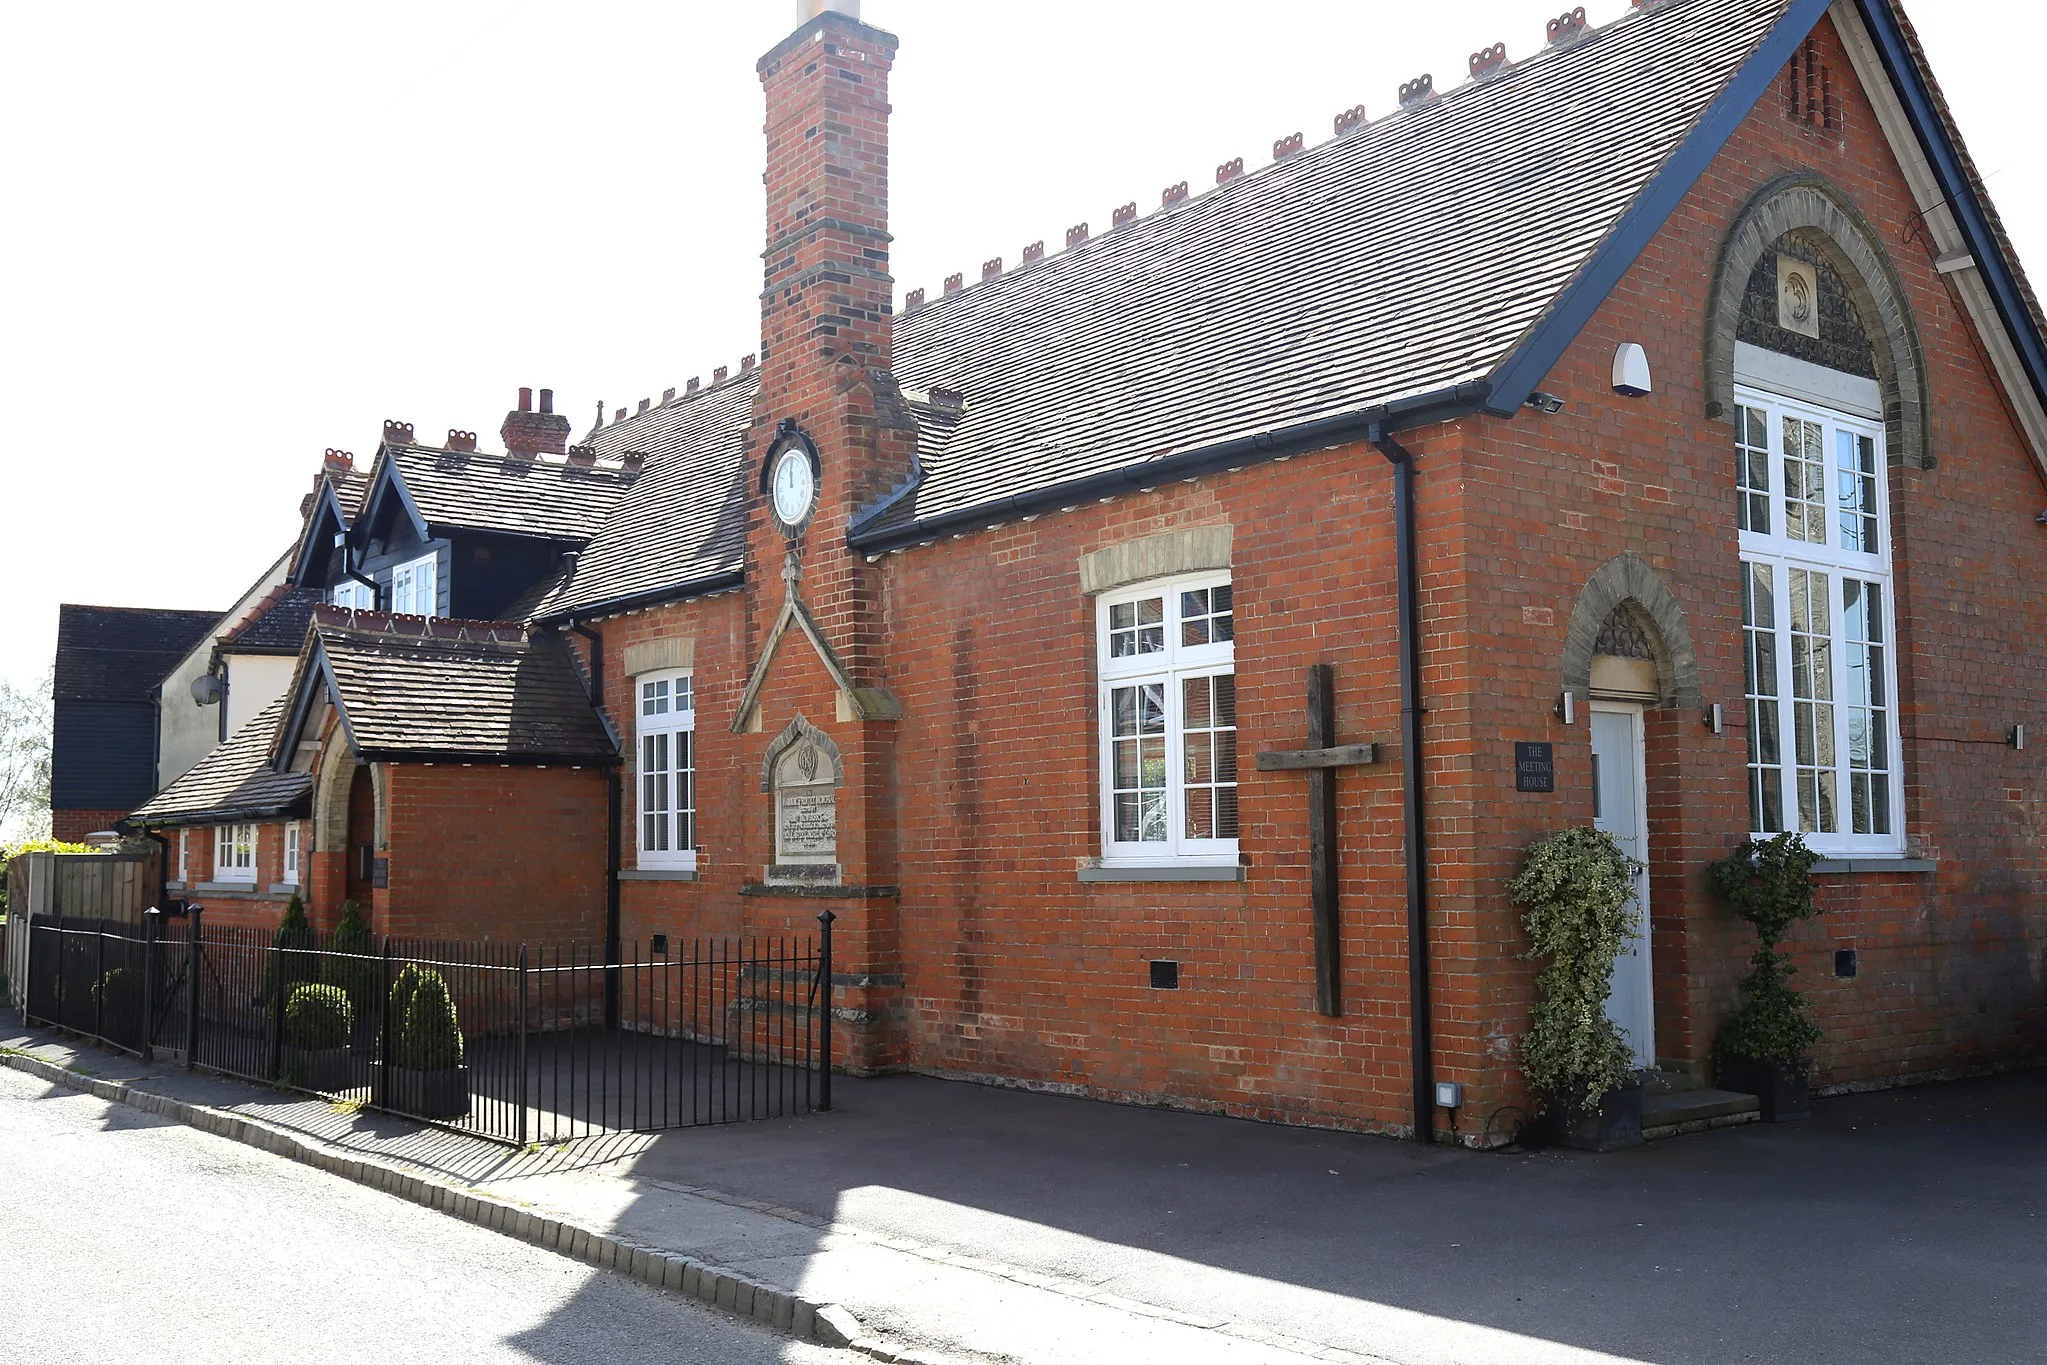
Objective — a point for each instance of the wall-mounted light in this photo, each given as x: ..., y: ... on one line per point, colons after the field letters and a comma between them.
x: 1546, y: 403
x: 1631, y: 371
x: 1567, y: 709
x: 1715, y: 720
x: 2017, y: 737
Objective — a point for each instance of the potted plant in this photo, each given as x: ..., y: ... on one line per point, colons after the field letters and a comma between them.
x: 317, y: 1022
x: 1577, y: 899
x: 1765, y: 1047
x: 423, y: 1070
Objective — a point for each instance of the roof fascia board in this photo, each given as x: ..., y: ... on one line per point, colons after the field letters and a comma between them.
x: 388, y: 482
x: 1441, y: 405
x: 224, y: 815
x: 473, y: 757
x: 1525, y: 366
x: 639, y: 601
x: 2000, y: 279
x: 290, y: 733
x: 327, y: 505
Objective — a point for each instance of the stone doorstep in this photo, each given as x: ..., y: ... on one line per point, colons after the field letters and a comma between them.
x: 771, y: 1306
x: 1669, y: 1113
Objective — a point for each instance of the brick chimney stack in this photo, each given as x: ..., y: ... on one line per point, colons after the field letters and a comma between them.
x: 528, y: 433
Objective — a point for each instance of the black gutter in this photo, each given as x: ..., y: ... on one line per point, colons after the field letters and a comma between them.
x: 1444, y: 405
x: 219, y: 815
x: 1421, y: 1046
x: 500, y: 760
x: 656, y: 597
x: 613, y: 814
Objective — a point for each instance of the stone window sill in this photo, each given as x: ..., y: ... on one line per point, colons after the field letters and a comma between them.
x: 657, y: 874
x: 284, y: 888
x: 1165, y: 872
x: 1919, y: 866
x: 234, y: 891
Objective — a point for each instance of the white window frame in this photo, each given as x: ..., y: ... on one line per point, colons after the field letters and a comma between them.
x: 1781, y: 556
x: 354, y: 594
x: 291, y: 854
x: 185, y: 856
x: 669, y: 730
x: 1171, y: 666
x: 234, y: 853
x: 415, y: 587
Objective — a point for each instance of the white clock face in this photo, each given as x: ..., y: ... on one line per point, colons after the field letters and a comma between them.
x: 794, y: 483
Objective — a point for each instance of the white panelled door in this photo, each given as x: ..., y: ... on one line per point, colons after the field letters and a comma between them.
x: 1620, y: 807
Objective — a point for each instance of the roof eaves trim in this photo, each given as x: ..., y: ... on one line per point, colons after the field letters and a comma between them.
x: 298, y: 804
x: 389, y: 482
x: 290, y: 733
x: 639, y: 601
x: 1443, y: 405
x: 326, y: 505
x: 488, y: 758
x: 1996, y: 268
x: 1525, y: 366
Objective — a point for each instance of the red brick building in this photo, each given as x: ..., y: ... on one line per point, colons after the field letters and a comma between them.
x: 1650, y: 432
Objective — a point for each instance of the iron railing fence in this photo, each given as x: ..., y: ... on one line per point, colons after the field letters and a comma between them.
x: 514, y: 1042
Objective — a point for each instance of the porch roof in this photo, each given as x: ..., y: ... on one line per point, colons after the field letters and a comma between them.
x: 233, y: 783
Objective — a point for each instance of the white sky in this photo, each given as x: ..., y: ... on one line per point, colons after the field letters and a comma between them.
x: 234, y: 235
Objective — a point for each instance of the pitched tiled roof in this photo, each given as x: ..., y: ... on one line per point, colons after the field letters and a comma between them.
x: 234, y: 782
x: 275, y: 625
x: 1402, y: 259
x: 460, y: 689
x: 683, y: 520
x: 120, y: 653
x: 477, y: 491
x: 349, y: 491
x: 1397, y: 261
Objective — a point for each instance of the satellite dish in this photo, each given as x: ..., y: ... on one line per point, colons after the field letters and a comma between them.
x: 206, y: 689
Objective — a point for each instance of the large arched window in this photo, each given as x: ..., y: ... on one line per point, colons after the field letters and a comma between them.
x: 1818, y: 623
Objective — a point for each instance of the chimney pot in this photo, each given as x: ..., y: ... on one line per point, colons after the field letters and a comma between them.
x: 1075, y: 235
x: 525, y: 399
x: 1126, y: 215
x: 547, y: 400
x: 527, y: 433
x: 1286, y: 147
x: 1487, y: 60
x: 1229, y: 171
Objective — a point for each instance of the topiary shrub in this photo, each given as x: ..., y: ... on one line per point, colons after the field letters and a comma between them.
x: 425, y: 1034
x: 289, y: 969
x: 348, y: 962
x: 318, y: 1018
x: 1577, y: 897
x: 1768, y: 882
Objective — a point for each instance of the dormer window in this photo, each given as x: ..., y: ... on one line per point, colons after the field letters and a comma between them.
x: 414, y: 587
x: 355, y: 595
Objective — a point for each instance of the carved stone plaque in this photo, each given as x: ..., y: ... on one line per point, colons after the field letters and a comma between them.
x: 804, y: 777
x: 807, y: 825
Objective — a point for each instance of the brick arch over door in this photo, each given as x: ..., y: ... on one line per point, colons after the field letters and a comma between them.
x: 1813, y: 206
x: 1625, y: 582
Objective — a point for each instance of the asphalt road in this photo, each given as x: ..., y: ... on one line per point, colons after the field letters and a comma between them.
x: 124, y: 1237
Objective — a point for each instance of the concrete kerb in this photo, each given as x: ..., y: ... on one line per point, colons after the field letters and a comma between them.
x: 827, y: 1324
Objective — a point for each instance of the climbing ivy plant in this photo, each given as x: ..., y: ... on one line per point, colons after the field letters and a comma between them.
x: 1577, y: 897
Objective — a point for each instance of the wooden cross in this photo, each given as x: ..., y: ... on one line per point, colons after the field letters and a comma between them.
x: 1320, y: 760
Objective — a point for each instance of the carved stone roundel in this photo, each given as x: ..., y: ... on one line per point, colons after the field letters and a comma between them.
x: 806, y: 762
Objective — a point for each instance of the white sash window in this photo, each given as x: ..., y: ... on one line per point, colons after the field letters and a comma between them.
x: 667, y: 724
x: 291, y: 853
x: 356, y: 595
x: 234, y: 853
x: 415, y: 587
x: 1168, y: 718
x: 1818, y: 626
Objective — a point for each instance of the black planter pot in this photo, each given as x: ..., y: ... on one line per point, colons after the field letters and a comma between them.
x: 439, y: 1094
x: 1615, y: 1124
x: 324, y: 1068
x: 1785, y: 1088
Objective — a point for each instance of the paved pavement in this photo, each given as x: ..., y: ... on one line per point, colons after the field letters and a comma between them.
x: 987, y: 1224
x: 124, y: 1237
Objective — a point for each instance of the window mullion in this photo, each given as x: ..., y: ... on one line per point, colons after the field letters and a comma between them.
x: 1176, y: 758
x: 1787, y: 704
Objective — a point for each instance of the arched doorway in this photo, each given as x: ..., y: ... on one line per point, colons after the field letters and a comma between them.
x: 362, y: 838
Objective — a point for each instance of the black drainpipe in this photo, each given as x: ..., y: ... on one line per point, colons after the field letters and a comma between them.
x: 1420, y: 1044
x: 613, y: 807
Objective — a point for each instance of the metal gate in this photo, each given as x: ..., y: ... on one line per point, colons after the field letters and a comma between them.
x: 511, y: 1042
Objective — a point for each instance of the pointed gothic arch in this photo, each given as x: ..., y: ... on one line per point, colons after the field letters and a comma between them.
x: 1626, y: 605
x: 1821, y: 216
x: 796, y: 732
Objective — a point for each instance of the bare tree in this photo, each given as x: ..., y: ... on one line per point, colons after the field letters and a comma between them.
x: 24, y: 761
